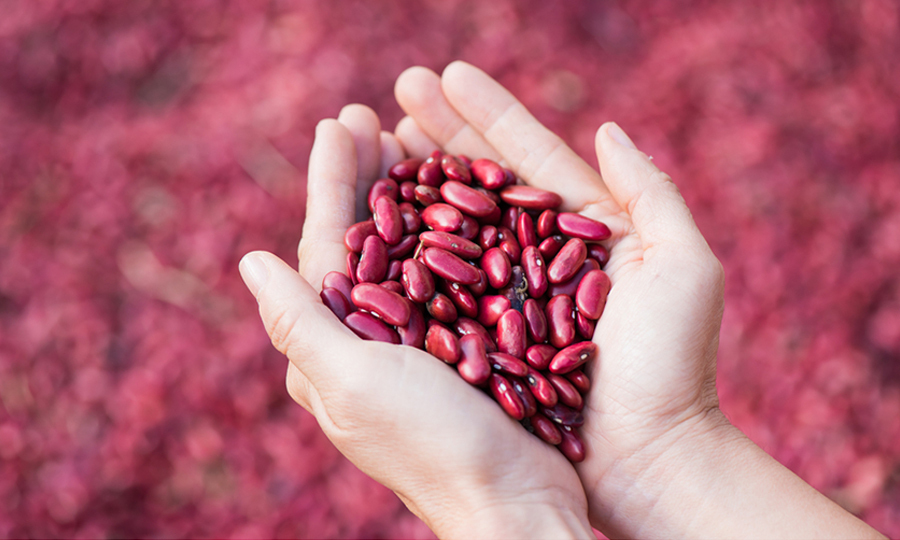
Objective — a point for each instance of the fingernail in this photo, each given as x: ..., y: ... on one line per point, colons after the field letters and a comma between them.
x: 619, y: 136
x: 254, y: 271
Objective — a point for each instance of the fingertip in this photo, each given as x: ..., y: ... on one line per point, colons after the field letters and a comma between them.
x: 410, y: 78
x: 254, y: 271
x: 357, y: 112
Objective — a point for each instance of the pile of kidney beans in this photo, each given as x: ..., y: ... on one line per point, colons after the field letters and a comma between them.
x: 454, y: 261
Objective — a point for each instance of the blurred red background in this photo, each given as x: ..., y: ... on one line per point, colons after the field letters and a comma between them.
x: 145, y: 146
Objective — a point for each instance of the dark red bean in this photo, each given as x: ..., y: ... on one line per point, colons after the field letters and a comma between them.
x: 562, y: 414
x: 508, y: 364
x: 369, y: 328
x: 473, y: 364
x: 578, y: 226
x: 453, y: 243
x: 511, y: 333
x: 510, y: 177
x: 455, y: 170
x: 441, y: 308
x: 404, y: 248
x: 503, y: 392
x: 427, y: 195
x: 496, y: 267
x: 413, y: 334
x: 490, y: 308
x: 546, y: 224
x: 580, y: 380
x: 442, y: 343
x: 373, y: 262
x: 549, y: 247
x: 584, y: 326
x: 336, y: 302
x: 417, y: 280
x: 489, y: 173
x: 490, y: 195
x: 394, y: 270
x: 525, y: 395
x: 357, y: 233
x: 491, y: 219
x: 525, y: 232
x: 510, y: 218
x: 352, y: 266
x: 465, y: 326
x: 408, y: 191
x: 339, y: 281
x: 590, y: 297
x: 389, y: 305
x: 442, y: 217
x: 535, y: 271
x: 531, y: 198
x: 541, y: 388
x: 465, y: 159
x: 570, y: 287
x: 406, y: 169
x: 599, y: 253
x: 535, y: 321
x: 469, y: 228
x: 411, y: 219
x: 462, y: 297
x: 383, y: 187
x: 567, y: 262
x: 430, y: 173
x: 508, y: 243
x: 449, y: 266
x: 393, y: 286
x: 467, y: 200
x: 572, y: 357
x: 545, y: 429
x: 539, y: 356
x: 571, y: 445
x: 560, y: 312
x: 487, y: 237
x: 568, y: 394
x: 479, y: 288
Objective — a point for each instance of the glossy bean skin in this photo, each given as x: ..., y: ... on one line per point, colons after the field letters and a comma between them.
x: 369, y: 328
x: 468, y: 200
x: 524, y: 394
x: 568, y: 394
x: 465, y: 159
x: 567, y: 262
x: 539, y: 356
x: 465, y: 302
x: 510, y: 218
x: 455, y: 169
x: 490, y: 308
x: 430, y: 173
x: 406, y: 245
x: 390, y: 306
x: 449, y: 266
x: 417, y: 280
x: 578, y: 226
x: 511, y: 333
x: 473, y: 364
x: 504, y: 394
x: 599, y: 253
x: 413, y: 333
x: 510, y: 177
x: 394, y: 270
x: 570, y: 287
x: 508, y: 243
x: 525, y: 232
x: 508, y: 364
x: 571, y: 445
x: 465, y: 326
x: 541, y: 388
x: 427, y: 195
x: 339, y: 281
x: 489, y: 173
x: 563, y: 415
x: 531, y: 198
x: 551, y: 245
x: 443, y: 344
x: 572, y: 357
x: 442, y: 308
x: 479, y: 288
x: 411, y: 219
x: 560, y: 313
x: 546, y: 224
x: 469, y: 228
x: 407, y: 191
x: 453, y: 243
x: 590, y: 296
x: 535, y: 320
x: 535, y: 271
x: 383, y: 187
x: 487, y: 237
x: 373, y: 261
x: 579, y: 380
x: 442, y: 217
x: 357, y: 233
x: 388, y: 221
x: 584, y: 326
x: 336, y: 302
x: 352, y: 267
x: 545, y: 429
x: 406, y: 169
x: 393, y: 286
x: 496, y: 267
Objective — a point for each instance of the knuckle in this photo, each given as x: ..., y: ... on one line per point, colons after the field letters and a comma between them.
x: 282, y: 324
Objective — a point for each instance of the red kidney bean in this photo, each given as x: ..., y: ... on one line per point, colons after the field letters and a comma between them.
x: 455, y: 169
x: 572, y: 357
x: 393, y: 286
x: 525, y: 233
x: 563, y: 414
x: 393, y: 271
x: 578, y: 226
x: 383, y: 187
x: 339, y: 281
x: 539, y: 356
x: 442, y: 343
x: 479, y: 288
x: 496, y: 266
x: 352, y: 267
x: 453, y: 243
x: 567, y: 262
x: 389, y: 305
x: 489, y: 173
x: 491, y: 219
x: 489, y: 194
x: 525, y: 395
x: 584, y: 326
x: 408, y: 191
x: 336, y: 302
x: 568, y: 394
x: 369, y: 328
x: 511, y: 333
x: 466, y: 199
x: 417, y: 280
x: 442, y: 217
x: 503, y: 392
x: 560, y: 312
x: 546, y: 224
x: 487, y: 237
x: 413, y: 334
x: 473, y: 364
x: 508, y: 364
x: 463, y: 299
x: 427, y: 195
x: 510, y: 218
x: 441, y: 308
x: 465, y: 326
x: 404, y: 248
x: 571, y: 445
x: 570, y: 287
x: 550, y: 246
x: 357, y: 234
x: 590, y: 297
x: 373, y: 262
x: 541, y: 388
x: 430, y: 173
x: 580, y: 380
x: 535, y: 271
x: 406, y: 169
x: 411, y: 219
x: 490, y: 308
x: 469, y: 228
x: 510, y: 177
x: 531, y: 198
x: 599, y: 253
x: 449, y: 266
x: 436, y: 155
x: 545, y: 429
x: 535, y: 321
x: 508, y: 243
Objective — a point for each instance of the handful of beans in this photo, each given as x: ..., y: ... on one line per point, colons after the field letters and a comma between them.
x: 453, y: 261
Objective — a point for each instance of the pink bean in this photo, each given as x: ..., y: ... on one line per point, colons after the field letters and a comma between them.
x: 404, y: 248
x: 413, y: 334
x: 442, y: 217
x: 441, y: 308
x: 503, y: 392
x: 427, y: 195
x: 411, y: 219
x: 406, y: 169
x: 369, y: 328
x: 568, y: 394
x: 535, y: 321
x: 443, y: 344
x: 496, y: 266
x: 511, y: 333
x: 455, y: 170
x: 336, y: 302
x: 457, y: 245
x: 560, y: 312
x: 508, y: 364
x: 572, y: 357
x: 525, y: 232
x: 546, y: 224
x: 389, y: 305
x: 357, y: 233
x: 570, y: 287
x: 490, y: 308
x: 466, y: 199
x: 567, y: 262
x: 473, y: 365
x: 530, y: 198
x: 465, y: 326
x: 449, y: 266
x: 590, y: 297
x: 417, y: 280
x: 578, y: 226
x: 545, y: 429
x: 487, y: 237
x: 373, y: 262
x: 535, y: 271
x: 571, y: 445
x: 539, y: 356
x: 339, y: 281
x: 430, y: 173
x: 489, y: 173
x: 385, y: 187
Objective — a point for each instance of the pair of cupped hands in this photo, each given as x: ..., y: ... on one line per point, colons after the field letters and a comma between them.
x: 409, y: 421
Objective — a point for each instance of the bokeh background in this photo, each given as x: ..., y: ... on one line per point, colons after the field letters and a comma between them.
x: 146, y: 145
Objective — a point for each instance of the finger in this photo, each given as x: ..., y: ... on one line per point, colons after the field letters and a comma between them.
x: 391, y: 153
x: 299, y: 387
x: 648, y: 195
x: 534, y: 152
x: 365, y: 129
x: 418, y: 91
x: 416, y: 142
x: 330, y: 204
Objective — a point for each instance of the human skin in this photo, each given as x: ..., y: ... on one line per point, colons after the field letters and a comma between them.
x: 662, y: 460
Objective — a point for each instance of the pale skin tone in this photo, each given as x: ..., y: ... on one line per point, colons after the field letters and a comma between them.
x: 662, y: 460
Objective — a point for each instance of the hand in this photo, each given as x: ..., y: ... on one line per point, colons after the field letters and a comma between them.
x: 399, y: 414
